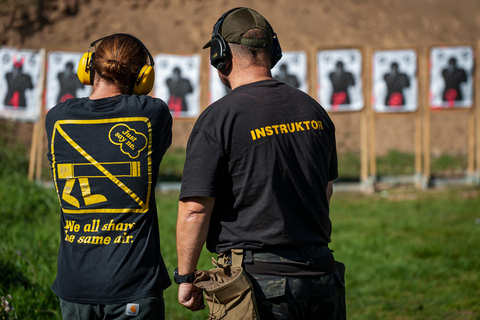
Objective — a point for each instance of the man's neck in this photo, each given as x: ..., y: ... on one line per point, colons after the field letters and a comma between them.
x: 248, y: 75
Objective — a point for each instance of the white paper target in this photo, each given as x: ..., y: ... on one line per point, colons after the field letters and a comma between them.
x: 292, y: 70
x: 451, y: 77
x: 177, y: 82
x: 339, y: 86
x: 395, y: 84
x: 62, y: 79
x: 21, y: 83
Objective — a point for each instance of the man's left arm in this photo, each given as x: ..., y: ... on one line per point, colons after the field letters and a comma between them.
x: 192, y: 229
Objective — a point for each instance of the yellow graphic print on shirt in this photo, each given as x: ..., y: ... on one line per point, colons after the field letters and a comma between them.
x: 102, y: 165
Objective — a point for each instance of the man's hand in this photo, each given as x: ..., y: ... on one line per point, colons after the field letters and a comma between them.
x: 190, y: 296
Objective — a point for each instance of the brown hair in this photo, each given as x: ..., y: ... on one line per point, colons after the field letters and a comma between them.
x: 118, y: 59
x: 256, y: 55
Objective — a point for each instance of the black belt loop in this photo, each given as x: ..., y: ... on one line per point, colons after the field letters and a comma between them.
x: 248, y: 257
x: 307, y: 254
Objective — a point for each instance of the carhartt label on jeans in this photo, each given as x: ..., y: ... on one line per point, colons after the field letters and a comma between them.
x: 132, y: 309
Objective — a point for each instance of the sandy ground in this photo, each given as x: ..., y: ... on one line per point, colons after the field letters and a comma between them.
x: 183, y: 26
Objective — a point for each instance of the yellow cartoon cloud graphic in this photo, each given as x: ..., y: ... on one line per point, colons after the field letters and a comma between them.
x: 130, y: 141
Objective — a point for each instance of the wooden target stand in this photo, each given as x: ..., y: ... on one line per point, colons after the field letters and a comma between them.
x: 369, y: 158
x: 366, y: 183
x: 368, y: 165
x: 473, y: 142
x: 476, y: 143
x: 36, y: 146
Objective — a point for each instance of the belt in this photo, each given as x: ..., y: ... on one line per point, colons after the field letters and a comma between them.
x: 278, y: 263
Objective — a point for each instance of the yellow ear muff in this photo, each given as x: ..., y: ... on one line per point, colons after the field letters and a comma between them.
x: 83, y: 69
x: 145, y: 80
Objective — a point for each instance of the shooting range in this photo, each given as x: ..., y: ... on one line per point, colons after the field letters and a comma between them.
x: 399, y: 79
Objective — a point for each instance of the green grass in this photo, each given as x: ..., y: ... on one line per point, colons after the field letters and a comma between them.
x: 401, y: 163
x: 171, y: 168
x: 409, y: 254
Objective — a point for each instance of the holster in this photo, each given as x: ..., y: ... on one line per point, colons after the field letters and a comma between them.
x: 228, y: 289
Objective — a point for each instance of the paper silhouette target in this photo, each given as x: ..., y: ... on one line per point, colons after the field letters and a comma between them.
x: 20, y: 83
x: 292, y: 70
x: 451, y: 77
x: 395, y: 84
x: 62, y: 79
x: 177, y: 82
x: 339, y: 86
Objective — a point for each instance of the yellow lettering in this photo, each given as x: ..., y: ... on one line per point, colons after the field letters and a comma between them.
x: 285, y: 128
x: 268, y: 130
x: 98, y: 224
x: 260, y: 132
x: 299, y: 127
x: 68, y: 238
x: 123, y: 239
x: 94, y: 240
x: 97, y: 240
x: 120, y: 137
x: 70, y: 225
x: 87, y: 228
x: 109, y: 227
x: 119, y: 227
x: 129, y: 226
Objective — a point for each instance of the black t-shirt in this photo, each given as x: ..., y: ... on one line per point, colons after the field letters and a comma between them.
x: 105, y: 156
x: 266, y: 152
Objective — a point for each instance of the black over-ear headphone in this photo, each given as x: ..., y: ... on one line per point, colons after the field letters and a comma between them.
x: 220, y: 51
x: 145, y: 77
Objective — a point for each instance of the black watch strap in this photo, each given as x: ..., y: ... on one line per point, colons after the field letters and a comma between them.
x: 188, y: 278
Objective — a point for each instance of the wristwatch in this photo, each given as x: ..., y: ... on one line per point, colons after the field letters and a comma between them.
x: 188, y: 278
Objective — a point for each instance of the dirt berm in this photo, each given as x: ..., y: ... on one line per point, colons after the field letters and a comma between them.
x: 183, y: 26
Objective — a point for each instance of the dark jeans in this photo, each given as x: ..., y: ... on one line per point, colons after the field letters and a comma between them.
x: 151, y: 308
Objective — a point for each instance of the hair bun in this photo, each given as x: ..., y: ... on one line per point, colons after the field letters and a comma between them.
x: 112, y: 68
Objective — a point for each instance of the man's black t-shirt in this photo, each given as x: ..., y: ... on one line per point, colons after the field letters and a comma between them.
x: 265, y: 152
x: 105, y: 156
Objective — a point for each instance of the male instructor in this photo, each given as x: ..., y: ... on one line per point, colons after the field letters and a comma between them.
x: 258, y: 177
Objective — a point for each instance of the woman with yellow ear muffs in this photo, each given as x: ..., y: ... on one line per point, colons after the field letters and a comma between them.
x: 105, y: 151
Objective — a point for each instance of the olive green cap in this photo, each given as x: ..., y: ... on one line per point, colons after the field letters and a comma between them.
x: 238, y: 22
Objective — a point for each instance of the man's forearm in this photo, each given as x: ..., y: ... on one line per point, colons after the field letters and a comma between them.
x: 192, y: 229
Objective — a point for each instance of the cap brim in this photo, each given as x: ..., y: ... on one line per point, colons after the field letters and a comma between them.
x: 208, y: 44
